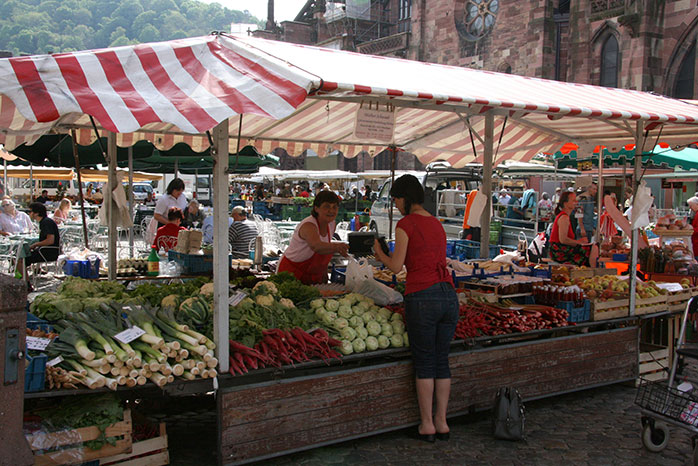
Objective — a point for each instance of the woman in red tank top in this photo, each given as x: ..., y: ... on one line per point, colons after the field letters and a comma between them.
x: 431, y: 303
x: 564, y: 248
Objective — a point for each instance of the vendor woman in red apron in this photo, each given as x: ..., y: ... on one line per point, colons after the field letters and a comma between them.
x: 311, y: 246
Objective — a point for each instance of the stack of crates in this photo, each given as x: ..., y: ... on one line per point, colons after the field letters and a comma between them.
x: 495, y: 231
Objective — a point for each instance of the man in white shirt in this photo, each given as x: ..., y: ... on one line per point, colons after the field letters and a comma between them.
x: 13, y: 221
x: 174, y: 198
x: 504, y: 197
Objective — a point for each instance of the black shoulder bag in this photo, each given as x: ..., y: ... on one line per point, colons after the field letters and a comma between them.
x: 508, y: 415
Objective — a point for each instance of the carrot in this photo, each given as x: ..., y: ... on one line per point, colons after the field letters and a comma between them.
x: 250, y: 361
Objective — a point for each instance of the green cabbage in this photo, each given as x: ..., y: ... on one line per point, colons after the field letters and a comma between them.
x: 348, y: 333
x: 405, y: 339
x: 371, y: 343
x: 383, y: 342
x: 387, y: 313
x: 398, y: 327
x: 346, y: 347
x: 345, y: 301
x: 380, y: 318
x: 359, y: 345
x: 320, y: 311
x: 345, y: 311
x: 387, y: 330
x: 332, y: 305
x: 356, y: 321
x: 317, y: 303
x: 368, y: 317
x: 340, y: 323
x: 374, y: 328
x: 396, y: 341
x: 396, y: 317
x: 329, y: 318
x: 361, y: 333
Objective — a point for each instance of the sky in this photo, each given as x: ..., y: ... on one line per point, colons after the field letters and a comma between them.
x: 284, y: 10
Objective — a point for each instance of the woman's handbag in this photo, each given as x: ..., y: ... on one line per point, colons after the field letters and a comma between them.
x: 508, y: 415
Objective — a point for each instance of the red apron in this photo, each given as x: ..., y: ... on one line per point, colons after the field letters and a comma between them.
x: 312, y: 270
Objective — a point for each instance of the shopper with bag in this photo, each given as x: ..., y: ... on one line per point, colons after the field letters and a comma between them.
x: 431, y: 303
x: 311, y: 246
x: 564, y: 248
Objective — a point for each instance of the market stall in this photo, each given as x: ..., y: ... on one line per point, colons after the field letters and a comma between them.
x: 309, y: 97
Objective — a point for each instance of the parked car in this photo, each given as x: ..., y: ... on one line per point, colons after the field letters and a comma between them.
x: 141, y: 190
x: 445, y: 189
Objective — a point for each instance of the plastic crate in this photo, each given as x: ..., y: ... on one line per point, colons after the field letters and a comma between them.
x: 34, y: 323
x: 194, y: 263
x: 338, y: 275
x: 466, y: 249
x: 83, y: 269
x: 35, y: 373
x: 576, y: 314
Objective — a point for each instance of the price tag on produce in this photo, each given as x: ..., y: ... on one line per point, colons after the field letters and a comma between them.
x: 130, y: 334
x: 54, y: 361
x: 37, y: 343
x: 236, y: 298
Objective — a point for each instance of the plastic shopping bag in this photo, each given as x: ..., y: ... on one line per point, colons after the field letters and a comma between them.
x: 642, y: 201
x: 473, y: 209
x: 380, y: 293
x: 357, y: 272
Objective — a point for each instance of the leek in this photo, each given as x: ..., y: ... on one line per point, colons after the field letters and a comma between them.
x: 72, y: 336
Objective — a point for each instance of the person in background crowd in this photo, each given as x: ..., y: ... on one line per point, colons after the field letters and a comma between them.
x: 528, y: 199
x: 628, y: 197
x: 693, y: 205
x: 587, y: 202
x: 174, y: 198
x: 149, y: 199
x: 431, y: 303
x: 43, y: 198
x: 564, y: 248
x: 207, y: 228
x: 47, y: 248
x: 60, y: 215
x: 12, y: 221
x: 304, y: 193
x: 545, y: 203
x: 556, y: 196
x: 514, y: 211
x: 259, y: 194
x: 241, y: 234
x: 311, y: 246
x: 166, y: 237
x: 504, y: 197
x: 286, y: 192
x: 368, y: 193
x: 97, y: 197
x: 194, y: 216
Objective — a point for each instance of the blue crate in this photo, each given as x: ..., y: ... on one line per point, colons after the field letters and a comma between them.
x: 194, y: 263
x: 35, y: 373
x: 338, y: 275
x: 576, y: 314
x: 34, y: 323
x: 466, y: 249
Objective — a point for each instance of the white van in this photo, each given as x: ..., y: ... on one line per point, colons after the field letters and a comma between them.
x: 445, y: 190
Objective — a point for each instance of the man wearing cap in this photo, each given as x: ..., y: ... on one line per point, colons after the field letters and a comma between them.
x: 556, y: 196
x: 504, y: 197
x: 241, y: 233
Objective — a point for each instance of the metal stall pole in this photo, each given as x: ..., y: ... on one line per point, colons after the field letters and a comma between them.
x: 31, y: 183
x: 599, y: 197
x: 639, y: 143
x: 82, y: 198
x: 109, y: 199
x: 393, y: 157
x: 4, y: 177
x: 487, y: 185
x: 221, y: 271
x: 196, y: 184
x: 131, y: 200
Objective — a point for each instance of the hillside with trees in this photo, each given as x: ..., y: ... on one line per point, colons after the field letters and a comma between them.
x: 51, y: 26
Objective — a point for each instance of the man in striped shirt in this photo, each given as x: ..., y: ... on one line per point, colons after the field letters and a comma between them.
x: 241, y: 234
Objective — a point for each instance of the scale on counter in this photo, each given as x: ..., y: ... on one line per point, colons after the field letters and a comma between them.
x: 361, y: 243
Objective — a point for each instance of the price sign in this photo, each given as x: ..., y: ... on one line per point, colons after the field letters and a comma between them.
x: 38, y: 344
x: 54, y: 361
x: 236, y: 298
x: 130, y: 334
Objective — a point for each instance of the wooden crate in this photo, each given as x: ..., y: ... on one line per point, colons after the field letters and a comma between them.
x: 603, y: 271
x: 151, y: 452
x: 676, y: 302
x: 611, y: 309
x: 78, y: 454
x: 654, y: 362
x: 654, y: 304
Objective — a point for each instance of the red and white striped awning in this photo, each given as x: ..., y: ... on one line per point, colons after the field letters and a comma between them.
x: 300, y: 97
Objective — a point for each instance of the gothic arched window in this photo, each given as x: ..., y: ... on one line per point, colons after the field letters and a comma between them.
x: 609, y: 62
x: 685, y: 79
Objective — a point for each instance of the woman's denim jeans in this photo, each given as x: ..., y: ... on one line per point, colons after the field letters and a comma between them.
x: 431, y: 317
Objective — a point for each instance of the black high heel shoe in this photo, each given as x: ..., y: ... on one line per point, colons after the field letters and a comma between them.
x: 443, y: 436
x: 429, y: 438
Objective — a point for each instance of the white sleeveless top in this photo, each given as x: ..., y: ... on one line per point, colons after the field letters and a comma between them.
x: 298, y: 249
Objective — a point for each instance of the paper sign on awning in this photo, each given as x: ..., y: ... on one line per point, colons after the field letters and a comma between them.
x: 375, y: 124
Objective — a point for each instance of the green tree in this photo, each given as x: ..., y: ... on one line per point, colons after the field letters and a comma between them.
x: 149, y: 34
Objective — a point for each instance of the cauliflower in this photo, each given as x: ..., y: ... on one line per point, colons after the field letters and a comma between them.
x: 265, y: 300
x: 383, y: 342
x: 170, y: 301
x: 265, y: 287
x: 207, y: 289
x: 287, y: 303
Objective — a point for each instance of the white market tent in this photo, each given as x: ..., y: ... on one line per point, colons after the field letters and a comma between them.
x: 300, y: 97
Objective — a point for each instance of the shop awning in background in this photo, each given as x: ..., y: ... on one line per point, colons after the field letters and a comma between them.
x: 661, y: 157
x: 300, y: 97
x: 100, y: 176
x: 40, y: 173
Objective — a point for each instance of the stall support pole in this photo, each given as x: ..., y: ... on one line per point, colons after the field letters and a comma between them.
x: 131, y: 200
x: 220, y: 243
x: 4, y: 177
x: 393, y: 159
x: 487, y: 185
x: 82, y: 198
x: 31, y: 183
x: 196, y: 184
x: 176, y: 167
x: 109, y: 199
x: 639, y: 143
x: 599, y: 197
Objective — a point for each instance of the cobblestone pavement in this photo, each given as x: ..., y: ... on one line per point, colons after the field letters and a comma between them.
x: 595, y: 427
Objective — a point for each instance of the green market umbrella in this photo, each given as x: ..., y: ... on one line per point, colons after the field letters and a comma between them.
x: 661, y: 157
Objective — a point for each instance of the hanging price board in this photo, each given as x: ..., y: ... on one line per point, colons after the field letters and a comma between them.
x: 37, y: 344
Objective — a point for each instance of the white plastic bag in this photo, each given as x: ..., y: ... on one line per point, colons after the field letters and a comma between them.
x: 380, y: 293
x: 537, y: 245
x: 477, y: 206
x: 642, y: 201
x: 151, y: 231
x: 357, y: 272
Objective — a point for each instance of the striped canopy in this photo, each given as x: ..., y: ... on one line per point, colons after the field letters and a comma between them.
x: 300, y: 97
